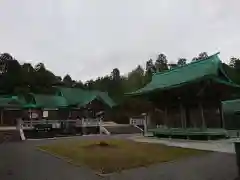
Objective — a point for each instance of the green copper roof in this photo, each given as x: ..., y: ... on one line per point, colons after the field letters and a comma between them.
x: 231, y: 106
x: 103, y: 96
x: 11, y: 101
x: 209, y: 68
x: 80, y: 97
x: 47, y: 101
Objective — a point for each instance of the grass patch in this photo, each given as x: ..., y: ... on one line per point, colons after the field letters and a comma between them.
x: 115, y: 155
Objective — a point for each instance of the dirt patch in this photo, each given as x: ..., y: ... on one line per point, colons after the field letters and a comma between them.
x: 101, y: 144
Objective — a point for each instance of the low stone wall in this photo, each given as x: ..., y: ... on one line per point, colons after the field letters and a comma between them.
x: 124, y: 129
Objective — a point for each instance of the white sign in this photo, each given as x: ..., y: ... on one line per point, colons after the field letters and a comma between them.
x: 34, y: 115
x: 137, y: 121
x: 45, y: 113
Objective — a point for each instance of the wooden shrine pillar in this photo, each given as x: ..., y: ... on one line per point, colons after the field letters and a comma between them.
x: 166, y: 116
x: 145, y: 123
x: 221, y: 116
x: 70, y: 114
x: 183, y: 116
x: 2, y: 116
x: 202, y: 115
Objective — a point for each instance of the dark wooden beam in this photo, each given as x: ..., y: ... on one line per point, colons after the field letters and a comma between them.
x: 166, y: 116
x: 221, y: 115
x: 202, y: 115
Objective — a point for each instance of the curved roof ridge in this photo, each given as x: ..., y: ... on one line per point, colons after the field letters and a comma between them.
x: 208, y: 68
x: 48, y: 100
x: 189, y: 64
x: 79, y: 96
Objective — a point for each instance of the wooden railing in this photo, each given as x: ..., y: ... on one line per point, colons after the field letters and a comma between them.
x: 88, y: 122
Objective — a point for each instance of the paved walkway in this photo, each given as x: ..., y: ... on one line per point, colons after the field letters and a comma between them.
x: 21, y: 161
x: 226, y: 146
x: 214, y: 166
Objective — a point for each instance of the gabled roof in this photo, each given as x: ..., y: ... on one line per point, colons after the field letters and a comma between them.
x: 47, y: 101
x: 209, y: 68
x: 80, y: 97
x: 11, y: 102
x: 103, y: 96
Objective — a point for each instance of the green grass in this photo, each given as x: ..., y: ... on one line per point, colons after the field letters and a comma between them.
x: 116, y: 155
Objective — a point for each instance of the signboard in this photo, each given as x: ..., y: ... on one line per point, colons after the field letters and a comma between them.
x: 45, y: 114
x: 137, y: 121
x: 34, y: 115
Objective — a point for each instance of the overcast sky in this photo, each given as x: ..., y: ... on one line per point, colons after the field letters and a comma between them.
x: 88, y: 38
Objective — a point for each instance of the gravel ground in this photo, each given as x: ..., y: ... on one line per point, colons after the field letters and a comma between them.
x: 21, y: 161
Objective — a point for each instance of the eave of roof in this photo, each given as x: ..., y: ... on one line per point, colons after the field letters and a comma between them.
x: 80, y: 97
x: 47, y: 101
x: 208, y: 68
x: 11, y: 101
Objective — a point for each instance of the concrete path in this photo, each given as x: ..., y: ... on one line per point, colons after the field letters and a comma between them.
x: 226, y: 146
x: 21, y: 161
x: 214, y: 166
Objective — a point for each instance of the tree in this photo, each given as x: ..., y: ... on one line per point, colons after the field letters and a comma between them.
x: 6, y: 57
x: 135, y: 79
x: 11, y: 73
x: 67, y: 80
x: 201, y: 56
x: 59, y: 78
x: 139, y: 70
x: 232, y: 62
x: 40, y: 67
x: 78, y: 84
x: 90, y: 84
x: 115, y: 74
x: 150, y: 67
x: 161, y: 63
x: 16, y: 78
x: 194, y: 59
x: 28, y: 75
x: 27, y: 67
x: 172, y: 66
x: 181, y: 62
x: 235, y: 63
x: 44, y: 79
x: 115, y: 83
